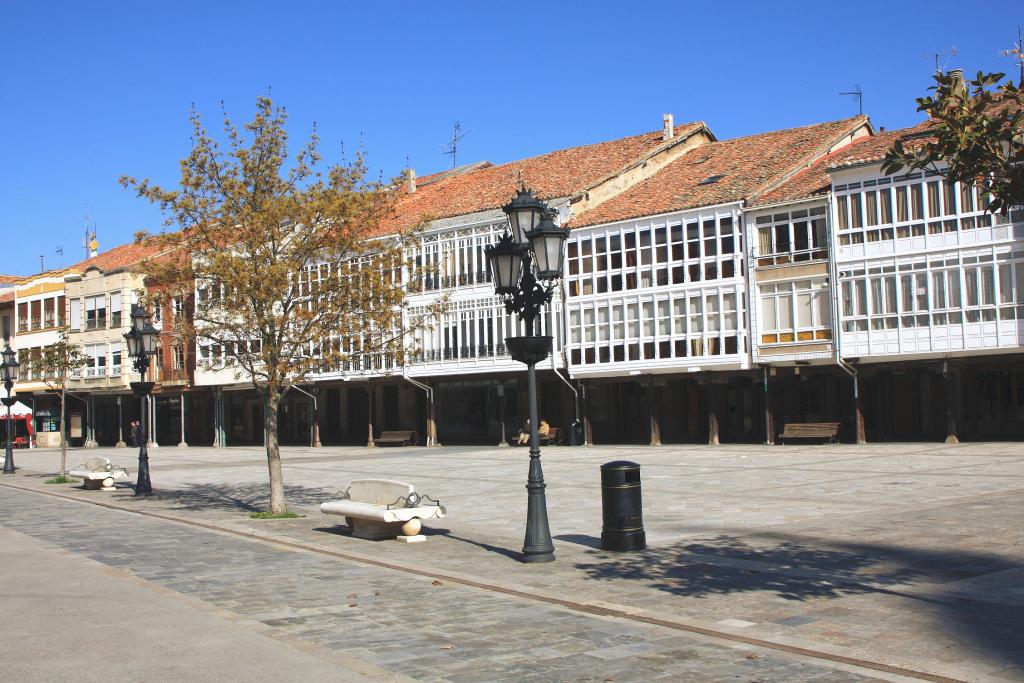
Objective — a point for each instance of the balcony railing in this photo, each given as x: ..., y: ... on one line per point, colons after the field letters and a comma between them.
x: 781, y: 259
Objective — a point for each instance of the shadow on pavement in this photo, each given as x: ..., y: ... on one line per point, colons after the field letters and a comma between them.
x: 581, y: 539
x: 498, y: 550
x: 804, y: 568
x: 251, y: 497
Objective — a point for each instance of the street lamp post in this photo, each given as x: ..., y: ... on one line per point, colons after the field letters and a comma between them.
x: 526, y: 257
x: 141, y: 341
x: 9, y: 375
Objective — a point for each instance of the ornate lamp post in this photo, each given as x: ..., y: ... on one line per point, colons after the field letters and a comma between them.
x: 526, y: 257
x: 141, y: 341
x: 9, y: 375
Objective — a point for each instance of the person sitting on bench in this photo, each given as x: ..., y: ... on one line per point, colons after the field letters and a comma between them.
x: 543, y: 429
x: 523, y: 437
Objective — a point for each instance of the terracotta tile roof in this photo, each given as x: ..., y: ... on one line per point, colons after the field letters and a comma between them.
x: 9, y: 279
x: 721, y: 172
x: 557, y: 174
x: 7, y: 297
x: 122, y: 256
x: 814, y: 180
x: 873, y: 149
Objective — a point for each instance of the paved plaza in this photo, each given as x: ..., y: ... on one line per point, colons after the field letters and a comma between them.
x: 831, y: 563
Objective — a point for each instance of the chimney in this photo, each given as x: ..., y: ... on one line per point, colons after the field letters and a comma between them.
x: 668, y: 130
x: 410, y: 180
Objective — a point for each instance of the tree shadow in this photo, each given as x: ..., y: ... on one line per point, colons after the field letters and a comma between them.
x: 248, y: 497
x: 801, y: 569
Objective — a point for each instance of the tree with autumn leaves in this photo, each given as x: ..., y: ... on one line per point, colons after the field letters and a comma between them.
x: 56, y: 365
x: 288, y: 259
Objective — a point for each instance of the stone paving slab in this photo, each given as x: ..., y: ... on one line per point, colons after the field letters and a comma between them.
x: 409, y: 625
x: 907, y: 553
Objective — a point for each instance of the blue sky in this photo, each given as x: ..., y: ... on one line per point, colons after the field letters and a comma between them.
x: 90, y: 91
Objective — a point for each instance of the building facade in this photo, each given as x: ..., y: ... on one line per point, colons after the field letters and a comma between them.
x: 714, y: 291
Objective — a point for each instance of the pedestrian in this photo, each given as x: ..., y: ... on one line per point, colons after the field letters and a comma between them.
x: 133, y: 431
x: 523, y: 437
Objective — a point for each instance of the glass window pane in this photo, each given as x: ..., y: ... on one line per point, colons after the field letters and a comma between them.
x: 803, y: 310
x: 785, y: 310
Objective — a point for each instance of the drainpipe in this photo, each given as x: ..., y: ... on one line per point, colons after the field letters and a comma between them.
x: 430, y: 404
x: 563, y: 331
x: 833, y: 274
x: 314, y: 433
x: 769, y: 437
x: 575, y: 397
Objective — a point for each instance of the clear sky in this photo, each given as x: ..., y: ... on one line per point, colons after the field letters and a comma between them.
x: 93, y: 90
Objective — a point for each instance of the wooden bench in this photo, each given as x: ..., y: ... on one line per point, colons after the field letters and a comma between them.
x: 399, y: 438
x: 811, y: 430
x: 99, y: 474
x: 552, y: 438
x: 377, y: 509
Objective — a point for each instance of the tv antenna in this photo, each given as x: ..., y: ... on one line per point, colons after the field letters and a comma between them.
x: 1017, y: 53
x: 859, y: 94
x: 59, y: 251
x: 85, y: 240
x: 952, y: 52
x: 452, y: 146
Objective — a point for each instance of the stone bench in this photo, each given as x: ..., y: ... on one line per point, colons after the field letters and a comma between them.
x: 99, y: 474
x: 377, y: 509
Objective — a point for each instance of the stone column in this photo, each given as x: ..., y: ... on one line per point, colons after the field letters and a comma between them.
x: 181, y: 406
x: 120, y: 425
x: 951, y: 384
x: 769, y: 415
x: 369, y: 416
x: 652, y: 394
x: 503, y: 417
x: 858, y: 413
x: 588, y: 428
x: 216, y: 421
x: 151, y: 430
x: 432, y: 418
x: 316, y: 418
x: 713, y: 390
x: 90, y: 424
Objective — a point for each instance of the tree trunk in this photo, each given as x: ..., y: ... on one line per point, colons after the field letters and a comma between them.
x: 277, y: 502
x: 63, y: 439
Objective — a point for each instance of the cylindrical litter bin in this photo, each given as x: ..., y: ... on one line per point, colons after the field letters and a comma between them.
x: 622, y: 507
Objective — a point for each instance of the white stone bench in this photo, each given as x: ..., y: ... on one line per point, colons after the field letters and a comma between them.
x: 377, y: 509
x: 99, y: 474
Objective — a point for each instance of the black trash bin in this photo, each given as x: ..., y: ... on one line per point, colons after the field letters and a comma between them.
x: 622, y: 507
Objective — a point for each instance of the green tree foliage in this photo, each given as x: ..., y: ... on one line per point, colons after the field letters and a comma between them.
x: 286, y: 257
x: 976, y: 137
x: 56, y: 365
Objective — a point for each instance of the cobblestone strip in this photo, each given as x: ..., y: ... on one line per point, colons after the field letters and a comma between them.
x: 414, y: 625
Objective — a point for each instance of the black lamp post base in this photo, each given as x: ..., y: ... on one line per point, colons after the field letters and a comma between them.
x: 143, y: 487
x: 9, y: 446
x: 538, y: 557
